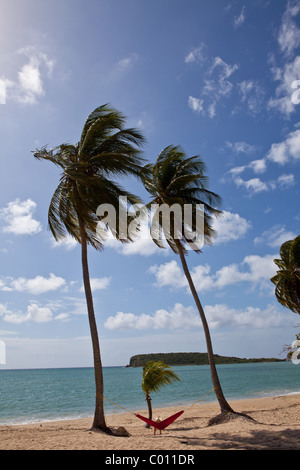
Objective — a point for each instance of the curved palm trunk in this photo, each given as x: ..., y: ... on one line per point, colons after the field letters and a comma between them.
x: 225, y: 407
x: 99, y: 419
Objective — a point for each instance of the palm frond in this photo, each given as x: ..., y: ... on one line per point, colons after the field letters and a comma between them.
x: 176, y: 179
x: 287, y: 279
x: 156, y: 375
x: 105, y: 149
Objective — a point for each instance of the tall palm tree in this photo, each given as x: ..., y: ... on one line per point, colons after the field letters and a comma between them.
x: 105, y: 148
x: 156, y: 375
x: 178, y: 180
x: 287, y: 279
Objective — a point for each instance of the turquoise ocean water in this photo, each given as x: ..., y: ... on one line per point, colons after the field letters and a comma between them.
x: 38, y: 395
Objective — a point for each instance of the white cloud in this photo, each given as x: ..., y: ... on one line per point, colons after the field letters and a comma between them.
x: 216, y: 87
x: 230, y: 227
x: 30, y: 82
x: 285, y: 181
x: 220, y: 315
x: 253, y: 185
x: 34, y: 313
x: 143, y: 244
x: 4, y: 86
x: 99, y: 283
x: 195, y: 55
x: 29, y: 85
x: 280, y: 153
x: 196, y: 104
x: 19, y: 217
x: 68, y: 242
x: 255, y: 270
x: 217, y: 84
x: 258, y: 271
x: 125, y: 64
x: 239, y: 20
x: 288, y: 150
x: 37, y: 285
x: 258, y: 166
x: 179, y: 317
x: 286, y: 75
x: 275, y: 236
x: 184, y: 318
x: 240, y: 147
x: 62, y: 317
x: 289, y: 33
x: 252, y: 95
x: 225, y: 70
x: 256, y: 185
x: 169, y: 274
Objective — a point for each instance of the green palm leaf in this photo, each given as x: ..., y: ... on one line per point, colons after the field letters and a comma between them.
x: 156, y: 375
x: 287, y: 279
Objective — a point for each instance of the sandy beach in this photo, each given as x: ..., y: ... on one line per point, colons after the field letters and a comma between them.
x: 276, y: 426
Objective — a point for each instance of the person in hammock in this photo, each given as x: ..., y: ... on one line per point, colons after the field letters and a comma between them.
x: 158, y: 420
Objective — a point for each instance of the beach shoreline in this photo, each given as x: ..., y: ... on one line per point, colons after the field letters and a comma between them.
x: 275, y: 426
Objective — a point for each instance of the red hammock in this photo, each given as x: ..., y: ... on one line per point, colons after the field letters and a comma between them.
x: 162, y: 424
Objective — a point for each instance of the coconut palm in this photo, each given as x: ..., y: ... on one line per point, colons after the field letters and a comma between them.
x: 287, y: 279
x: 179, y: 181
x: 105, y: 148
x: 156, y: 375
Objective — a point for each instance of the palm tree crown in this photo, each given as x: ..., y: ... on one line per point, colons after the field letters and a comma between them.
x: 105, y: 148
x: 287, y: 279
x: 178, y: 180
x: 156, y: 375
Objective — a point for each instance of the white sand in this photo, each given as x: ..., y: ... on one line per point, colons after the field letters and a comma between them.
x: 276, y: 426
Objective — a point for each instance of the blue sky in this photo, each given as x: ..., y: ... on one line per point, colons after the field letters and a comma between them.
x: 216, y: 78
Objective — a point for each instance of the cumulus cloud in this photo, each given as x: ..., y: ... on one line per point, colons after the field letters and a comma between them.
x: 178, y: 317
x: 221, y: 315
x: 68, y: 242
x: 229, y: 227
x: 286, y: 75
x: 287, y: 150
x: 184, y: 318
x: 275, y: 236
x: 286, y: 180
x: 29, y: 85
x: 34, y: 313
x: 255, y: 270
x: 288, y: 72
x: 253, y: 185
x: 36, y: 285
x: 18, y: 216
x: 289, y: 33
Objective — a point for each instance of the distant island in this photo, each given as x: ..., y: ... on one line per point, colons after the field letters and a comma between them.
x: 188, y: 359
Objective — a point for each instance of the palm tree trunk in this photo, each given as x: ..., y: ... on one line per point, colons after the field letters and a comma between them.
x: 225, y: 407
x: 148, y: 400
x: 99, y: 419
